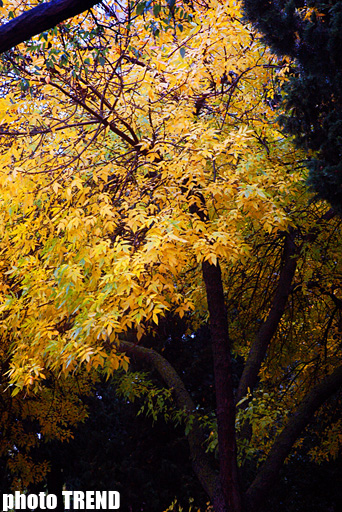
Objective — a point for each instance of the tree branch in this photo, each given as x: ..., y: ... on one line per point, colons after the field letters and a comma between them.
x: 110, y: 124
x: 200, y: 461
x: 268, y: 329
x: 40, y: 18
x: 42, y: 131
x: 285, y: 440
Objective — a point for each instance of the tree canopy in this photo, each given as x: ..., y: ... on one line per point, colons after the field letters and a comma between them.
x: 147, y: 190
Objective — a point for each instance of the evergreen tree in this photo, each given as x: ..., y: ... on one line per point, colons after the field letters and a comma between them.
x: 310, y: 32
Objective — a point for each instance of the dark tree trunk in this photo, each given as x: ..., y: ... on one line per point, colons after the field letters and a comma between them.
x: 224, y: 390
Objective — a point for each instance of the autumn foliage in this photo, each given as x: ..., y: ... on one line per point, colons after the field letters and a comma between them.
x: 143, y: 171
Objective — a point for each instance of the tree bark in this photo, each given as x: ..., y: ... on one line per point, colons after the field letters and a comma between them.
x: 40, y: 18
x: 225, y: 404
x: 268, y: 329
x: 283, y: 443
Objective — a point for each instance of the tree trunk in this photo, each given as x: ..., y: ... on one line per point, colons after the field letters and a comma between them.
x: 225, y: 406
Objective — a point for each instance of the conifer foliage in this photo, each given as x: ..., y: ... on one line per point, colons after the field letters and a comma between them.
x: 310, y: 33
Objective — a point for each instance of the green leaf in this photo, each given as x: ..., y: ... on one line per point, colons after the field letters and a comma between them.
x: 182, y: 52
x: 24, y: 85
x: 156, y: 9
x: 141, y: 7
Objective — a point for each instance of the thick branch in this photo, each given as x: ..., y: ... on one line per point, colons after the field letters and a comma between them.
x: 40, y: 18
x: 200, y: 460
x: 282, y: 446
x: 268, y: 329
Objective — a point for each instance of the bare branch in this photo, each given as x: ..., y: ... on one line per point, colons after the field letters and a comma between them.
x: 268, y: 329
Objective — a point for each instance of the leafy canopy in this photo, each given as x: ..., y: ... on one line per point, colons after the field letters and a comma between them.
x: 114, y: 134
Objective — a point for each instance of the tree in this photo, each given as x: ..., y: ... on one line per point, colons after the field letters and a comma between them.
x: 143, y: 174
x: 310, y: 34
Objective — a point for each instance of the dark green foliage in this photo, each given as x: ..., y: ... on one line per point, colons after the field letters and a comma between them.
x: 116, y: 449
x: 313, y: 98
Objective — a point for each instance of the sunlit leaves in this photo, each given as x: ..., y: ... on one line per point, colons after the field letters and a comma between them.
x: 126, y: 165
